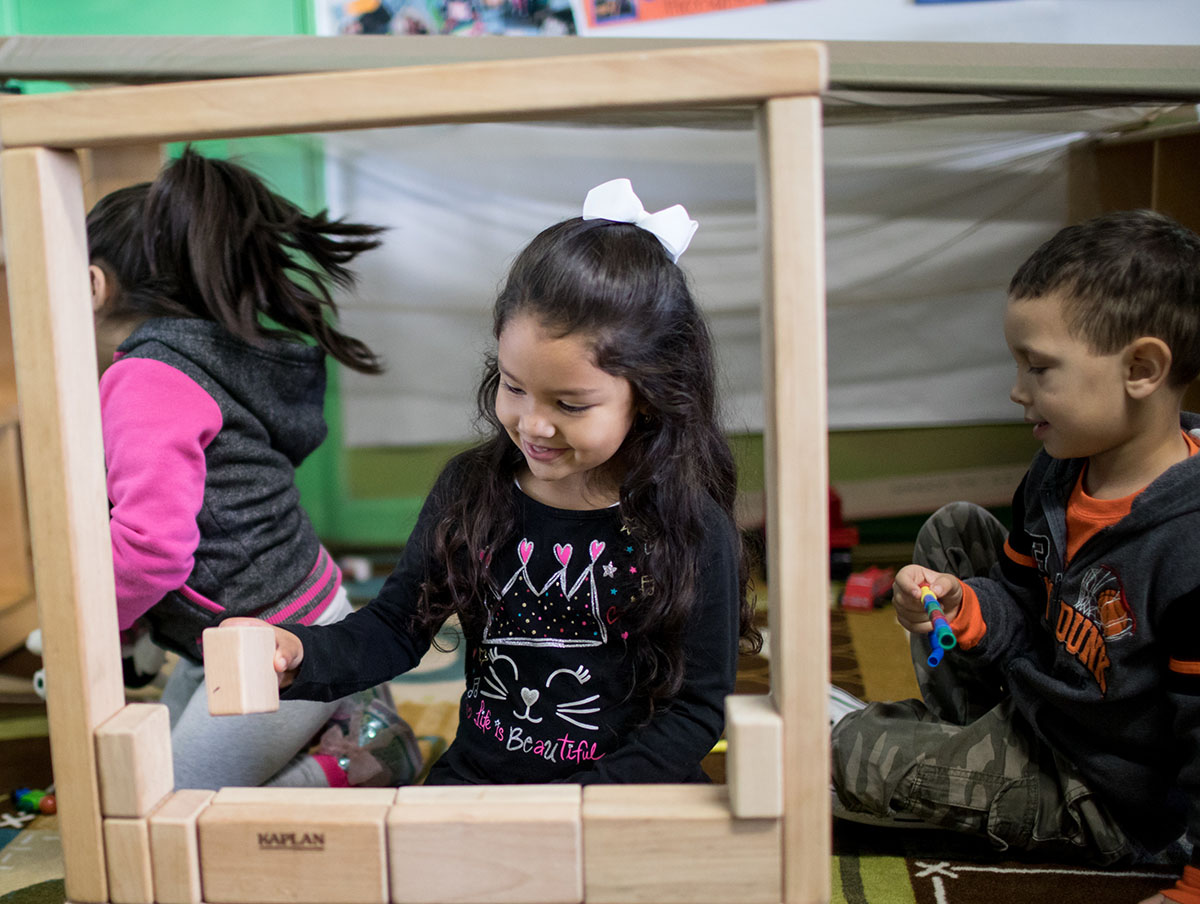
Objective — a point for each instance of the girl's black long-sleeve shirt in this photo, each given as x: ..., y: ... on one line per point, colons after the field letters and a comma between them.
x: 550, y: 690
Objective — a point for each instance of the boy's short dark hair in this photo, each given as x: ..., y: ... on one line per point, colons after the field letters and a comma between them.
x: 1123, y: 275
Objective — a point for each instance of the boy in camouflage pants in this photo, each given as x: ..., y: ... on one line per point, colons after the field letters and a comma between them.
x: 1067, y: 719
x: 963, y: 760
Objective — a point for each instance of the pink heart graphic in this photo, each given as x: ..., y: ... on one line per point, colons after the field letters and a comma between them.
x: 563, y: 553
x: 525, y: 550
x: 596, y: 549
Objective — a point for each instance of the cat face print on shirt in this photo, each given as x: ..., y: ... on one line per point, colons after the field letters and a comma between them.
x: 532, y: 684
x: 564, y: 689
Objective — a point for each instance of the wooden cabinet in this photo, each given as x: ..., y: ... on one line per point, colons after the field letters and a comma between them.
x: 18, y: 609
x: 1154, y: 168
x: 102, y: 172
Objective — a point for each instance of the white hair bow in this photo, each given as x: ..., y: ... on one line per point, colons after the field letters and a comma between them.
x: 616, y: 201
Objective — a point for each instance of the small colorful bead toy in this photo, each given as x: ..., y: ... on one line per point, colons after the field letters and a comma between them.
x: 31, y: 800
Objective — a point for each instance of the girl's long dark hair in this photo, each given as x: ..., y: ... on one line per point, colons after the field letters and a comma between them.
x: 615, y: 284
x: 208, y: 239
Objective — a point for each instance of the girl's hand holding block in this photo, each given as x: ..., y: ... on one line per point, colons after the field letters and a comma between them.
x: 239, y: 668
x: 287, y: 652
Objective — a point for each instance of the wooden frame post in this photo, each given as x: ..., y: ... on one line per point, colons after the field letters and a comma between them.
x: 55, y: 353
x: 794, y: 383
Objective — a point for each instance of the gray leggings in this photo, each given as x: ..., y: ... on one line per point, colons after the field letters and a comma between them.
x: 243, y: 751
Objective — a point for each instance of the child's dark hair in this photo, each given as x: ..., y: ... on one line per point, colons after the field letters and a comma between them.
x: 208, y: 239
x: 615, y: 284
x: 1123, y: 275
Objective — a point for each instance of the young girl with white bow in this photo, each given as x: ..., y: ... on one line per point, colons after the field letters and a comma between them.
x: 587, y: 547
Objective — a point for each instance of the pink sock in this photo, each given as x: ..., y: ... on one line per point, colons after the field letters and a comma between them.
x: 334, y: 774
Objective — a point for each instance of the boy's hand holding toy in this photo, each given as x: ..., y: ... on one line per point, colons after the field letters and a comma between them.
x: 908, y: 596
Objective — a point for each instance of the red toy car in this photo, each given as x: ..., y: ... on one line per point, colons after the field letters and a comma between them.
x: 867, y: 589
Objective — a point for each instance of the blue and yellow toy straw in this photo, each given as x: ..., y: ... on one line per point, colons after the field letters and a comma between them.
x: 942, y: 638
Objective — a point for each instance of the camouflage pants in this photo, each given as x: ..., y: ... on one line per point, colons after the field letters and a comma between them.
x: 961, y: 758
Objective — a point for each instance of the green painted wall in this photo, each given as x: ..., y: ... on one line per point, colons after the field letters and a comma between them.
x: 854, y: 455
x: 393, y: 480
x: 156, y: 17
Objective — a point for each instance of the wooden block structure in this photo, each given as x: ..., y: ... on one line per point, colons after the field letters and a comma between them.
x: 133, y: 750
x: 754, y: 764
x: 541, y: 844
x: 133, y: 754
x: 655, y: 844
x: 239, y: 671
x: 513, y: 844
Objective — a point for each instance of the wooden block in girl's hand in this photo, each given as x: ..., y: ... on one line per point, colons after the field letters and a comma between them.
x: 239, y: 669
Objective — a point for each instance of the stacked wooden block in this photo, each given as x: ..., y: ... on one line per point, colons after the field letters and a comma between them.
x: 133, y: 755
x: 499, y: 844
x: 541, y: 844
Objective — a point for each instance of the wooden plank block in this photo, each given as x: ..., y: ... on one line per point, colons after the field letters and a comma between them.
x: 133, y: 751
x: 915, y: 494
x: 54, y: 345
x: 797, y: 478
x: 754, y: 764
x: 174, y: 848
x: 1174, y: 187
x: 676, y: 844
x: 486, y: 845
x: 300, y: 845
x: 460, y: 92
x: 107, y: 169
x: 18, y: 607
x: 17, y: 615
x: 239, y: 671
x: 127, y: 852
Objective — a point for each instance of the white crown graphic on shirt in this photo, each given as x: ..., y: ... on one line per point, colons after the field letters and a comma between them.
x: 576, y: 619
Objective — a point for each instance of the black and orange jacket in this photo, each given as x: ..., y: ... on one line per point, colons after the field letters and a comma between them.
x: 1101, y: 652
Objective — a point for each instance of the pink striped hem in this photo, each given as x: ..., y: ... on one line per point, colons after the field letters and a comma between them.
x: 325, y: 584
x: 323, y: 589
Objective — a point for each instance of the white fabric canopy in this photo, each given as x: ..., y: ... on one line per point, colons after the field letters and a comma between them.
x: 927, y: 217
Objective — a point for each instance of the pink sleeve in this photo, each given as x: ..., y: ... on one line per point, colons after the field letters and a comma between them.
x: 157, y: 422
